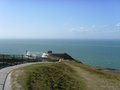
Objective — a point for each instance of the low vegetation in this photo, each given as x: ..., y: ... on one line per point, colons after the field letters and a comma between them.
x: 52, y: 76
x: 66, y: 75
x: 96, y: 79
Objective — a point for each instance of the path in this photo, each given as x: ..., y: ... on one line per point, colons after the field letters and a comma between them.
x: 5, y: 72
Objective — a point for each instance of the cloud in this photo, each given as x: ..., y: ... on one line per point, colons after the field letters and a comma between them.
x: 82, y: 29
x: 118, y: 24
x: 95, y: 29
x: 117, y: 27
x: 78, y: 30
x: 93, y: 26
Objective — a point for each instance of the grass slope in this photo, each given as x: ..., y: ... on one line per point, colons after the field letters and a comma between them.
x: 52, y: 76
x: 96, y: 79
x: 67, y: 75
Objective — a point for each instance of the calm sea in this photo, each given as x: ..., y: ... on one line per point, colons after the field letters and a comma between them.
x: 100, y: 53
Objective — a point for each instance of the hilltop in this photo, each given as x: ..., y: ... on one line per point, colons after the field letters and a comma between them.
x: 65, y: 75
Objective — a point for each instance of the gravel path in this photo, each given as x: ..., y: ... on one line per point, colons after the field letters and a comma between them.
x: 5, y: 75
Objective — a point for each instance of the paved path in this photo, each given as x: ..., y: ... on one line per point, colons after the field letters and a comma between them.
x: 5, y: 72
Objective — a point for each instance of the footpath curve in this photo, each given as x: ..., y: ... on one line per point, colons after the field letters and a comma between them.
x: 5, y: 75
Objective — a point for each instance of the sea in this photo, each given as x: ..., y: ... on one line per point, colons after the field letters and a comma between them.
x: 96, y: 53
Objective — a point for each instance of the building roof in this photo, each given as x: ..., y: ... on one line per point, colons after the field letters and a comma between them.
x: 60, y: 56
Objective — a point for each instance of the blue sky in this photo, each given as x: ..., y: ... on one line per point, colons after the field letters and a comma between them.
x: 69, y: 19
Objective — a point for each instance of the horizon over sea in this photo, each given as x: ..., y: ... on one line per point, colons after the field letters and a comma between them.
x: 97, y: 53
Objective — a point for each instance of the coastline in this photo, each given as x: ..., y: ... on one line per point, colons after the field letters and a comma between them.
x: 103, y: 53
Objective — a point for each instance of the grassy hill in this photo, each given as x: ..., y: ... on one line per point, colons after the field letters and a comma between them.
x: 66, y: 75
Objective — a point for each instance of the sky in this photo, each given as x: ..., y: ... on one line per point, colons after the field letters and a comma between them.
x: 60, y: 19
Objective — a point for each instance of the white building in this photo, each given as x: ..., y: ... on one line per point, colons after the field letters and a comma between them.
x: 29, y: 55
x: 45, y: 55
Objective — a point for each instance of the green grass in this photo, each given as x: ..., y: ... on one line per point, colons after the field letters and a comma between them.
x: 66, y: 75
x: 96, y: 71
x: 96, y: 79
x: 53, y: 76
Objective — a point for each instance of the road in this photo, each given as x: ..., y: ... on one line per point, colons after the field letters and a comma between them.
x: 4, y: 80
